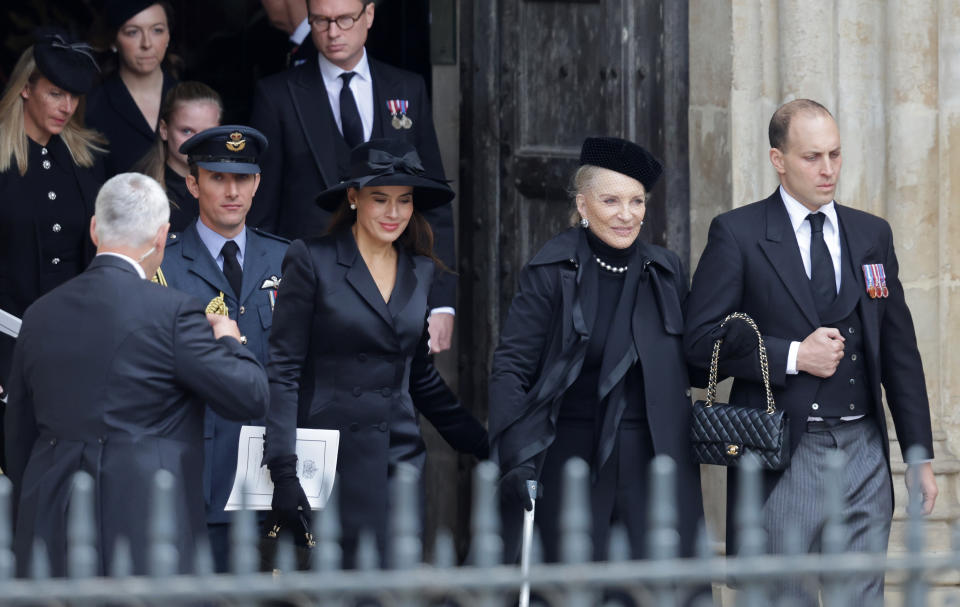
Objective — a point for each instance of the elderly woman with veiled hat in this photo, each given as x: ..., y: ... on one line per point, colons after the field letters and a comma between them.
x: 590, y: 363
x: 51, y: 168
x: 348, y: 346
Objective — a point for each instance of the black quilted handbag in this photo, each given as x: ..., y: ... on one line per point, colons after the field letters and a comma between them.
x: 723, y: 433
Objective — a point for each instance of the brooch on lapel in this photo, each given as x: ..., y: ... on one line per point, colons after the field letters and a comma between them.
x: 398, y: 109
x: 271, y: 285
x: 876, y: 280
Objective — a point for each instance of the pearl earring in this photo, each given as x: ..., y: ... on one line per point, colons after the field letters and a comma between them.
x: 584, y: 222
x: 353, y: 207
x: 641, y: 223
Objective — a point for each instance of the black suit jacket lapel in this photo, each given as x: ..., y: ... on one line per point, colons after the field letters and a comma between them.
x: 379, y: 101
x: 200, y: 262
x: 358, y: 276
x: 255, y: 266
x: 407, y: 281
x: 862, y: 251
x: 779, y: 244
x: 308, y: 94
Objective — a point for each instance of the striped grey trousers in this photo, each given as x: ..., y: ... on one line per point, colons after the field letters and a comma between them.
x: 794, y: 513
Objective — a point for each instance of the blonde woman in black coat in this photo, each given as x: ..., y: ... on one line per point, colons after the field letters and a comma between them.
x: 590, y: 363
x: 348, y: 346
x: 50, y: 170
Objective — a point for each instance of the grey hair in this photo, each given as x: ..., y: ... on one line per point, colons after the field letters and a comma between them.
x: 130, y: 208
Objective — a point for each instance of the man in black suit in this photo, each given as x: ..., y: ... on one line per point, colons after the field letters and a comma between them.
x: 821, y: 281
x: 315, y: 113
x: 110, y: 375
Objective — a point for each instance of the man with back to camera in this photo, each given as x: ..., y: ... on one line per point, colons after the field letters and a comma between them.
x: 821, y: 281
x: 110, y: 374
x: 218, y: 256
x: 315, y: 113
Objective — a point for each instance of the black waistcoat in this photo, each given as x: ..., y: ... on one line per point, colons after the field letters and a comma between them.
x: 846, y: 392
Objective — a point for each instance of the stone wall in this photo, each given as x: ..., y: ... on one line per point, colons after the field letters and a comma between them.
x: 890, y: 73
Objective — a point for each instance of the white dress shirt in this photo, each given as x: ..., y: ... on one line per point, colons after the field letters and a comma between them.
x: 801, y: 229
x: 300, y: 34
x: 130, y: 260
x: 361, y: 85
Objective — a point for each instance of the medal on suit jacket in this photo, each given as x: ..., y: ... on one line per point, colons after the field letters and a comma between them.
x: 271, y: 285
x: 218, y: 305
x: 398, y: 109
x: 876, y: 279
x: 394, y: 106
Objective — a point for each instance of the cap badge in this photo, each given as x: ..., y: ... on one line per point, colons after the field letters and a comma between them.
x: 237, y: 142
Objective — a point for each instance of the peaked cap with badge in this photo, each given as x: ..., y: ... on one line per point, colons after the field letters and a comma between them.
x: 231, y: 148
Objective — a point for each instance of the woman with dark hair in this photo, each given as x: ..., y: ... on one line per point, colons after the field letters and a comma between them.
x: 188, y: 108
x: 591, y: 365
x: 348, y: 346
x: 126, y: 106
x: 50, y: 170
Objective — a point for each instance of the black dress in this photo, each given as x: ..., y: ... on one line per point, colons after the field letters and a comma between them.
x: 183, y: 206
x: 112, y: 111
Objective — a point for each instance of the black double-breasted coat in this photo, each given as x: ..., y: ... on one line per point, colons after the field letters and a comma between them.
x: 38, y: 215
x: 342, y: 358
x: 542, y: 349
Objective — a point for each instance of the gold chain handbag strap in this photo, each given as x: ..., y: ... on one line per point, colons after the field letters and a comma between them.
x: 764, y: 368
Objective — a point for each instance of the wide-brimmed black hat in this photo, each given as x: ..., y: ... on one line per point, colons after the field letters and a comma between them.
x: 622, y: 156
x: 231, y: 148
x: 119, y: 12
x: 66, y: 63
x: 388, y: 162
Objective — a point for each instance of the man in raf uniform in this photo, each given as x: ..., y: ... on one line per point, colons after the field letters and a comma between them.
x: 110, y: 375
x: 315, y: 113
x: 221, y: 260
x: 821, y: 281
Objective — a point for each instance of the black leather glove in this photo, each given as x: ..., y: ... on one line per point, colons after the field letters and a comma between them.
x: 289, y: 501
x: 513, y: 486
x: 739, y: 339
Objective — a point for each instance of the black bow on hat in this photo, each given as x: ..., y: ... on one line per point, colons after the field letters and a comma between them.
x: 388, y: 162
x: 67, y: 64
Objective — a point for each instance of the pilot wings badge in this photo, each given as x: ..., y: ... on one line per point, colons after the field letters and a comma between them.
x: 271, y: 285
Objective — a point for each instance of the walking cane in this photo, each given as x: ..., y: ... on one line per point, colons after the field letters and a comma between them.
x: 527, y: 544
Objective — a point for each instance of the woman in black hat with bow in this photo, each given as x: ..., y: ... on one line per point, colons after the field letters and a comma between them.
x: 50, y: 170
x: 126, y: 106
x: 590, y: 362
x: 348, y: 346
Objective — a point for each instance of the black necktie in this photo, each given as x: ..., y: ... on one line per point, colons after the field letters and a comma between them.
x: 823, y: 278
x: 349, y: 114
x: 231, y: 267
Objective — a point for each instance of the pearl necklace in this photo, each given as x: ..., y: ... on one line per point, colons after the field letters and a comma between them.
x: 609, y: 268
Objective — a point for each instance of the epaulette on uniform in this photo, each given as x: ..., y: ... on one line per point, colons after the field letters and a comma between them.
x: 260, y: 232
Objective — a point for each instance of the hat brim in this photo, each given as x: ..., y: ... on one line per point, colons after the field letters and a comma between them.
x: 427, y: 193
x: 242, y: 168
